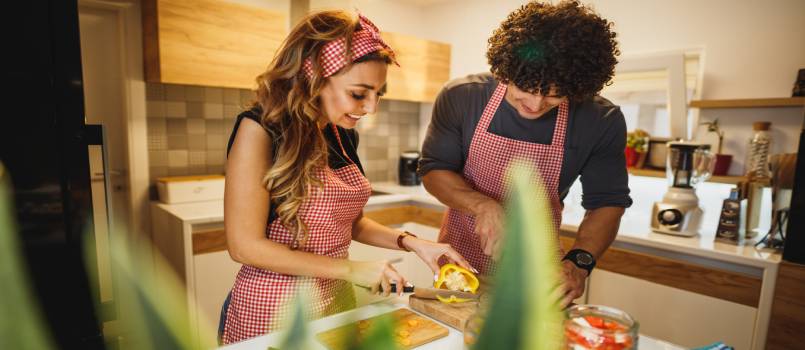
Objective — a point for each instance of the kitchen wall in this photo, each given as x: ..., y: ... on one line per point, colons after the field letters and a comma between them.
x: 394, y: 129
x: 189, y: 127
x: 750, y: 49
x: 753, y: 49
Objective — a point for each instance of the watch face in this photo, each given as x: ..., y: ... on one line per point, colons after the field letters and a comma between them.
x: 584, y: 259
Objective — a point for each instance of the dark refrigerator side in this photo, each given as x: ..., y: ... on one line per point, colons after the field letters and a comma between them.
x: 794, y: 250
x: 44, y: 148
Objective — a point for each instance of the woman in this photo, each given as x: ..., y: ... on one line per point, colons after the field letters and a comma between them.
x: 292, y: 164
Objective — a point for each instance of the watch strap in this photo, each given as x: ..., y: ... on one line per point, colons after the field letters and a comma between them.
x: 573, y: 254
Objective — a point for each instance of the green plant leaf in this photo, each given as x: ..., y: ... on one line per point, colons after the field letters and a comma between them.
x: 524, y: 311
x: 297, y: 336
x: 21, y: 323
x: 380, y: 336
x: 153, y: 300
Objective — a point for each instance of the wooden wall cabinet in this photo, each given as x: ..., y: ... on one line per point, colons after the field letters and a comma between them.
x: 424, y: 68
x: 224, y: 44
x: 208, y: 42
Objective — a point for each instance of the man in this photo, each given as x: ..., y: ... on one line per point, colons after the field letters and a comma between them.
x: 548, y: 63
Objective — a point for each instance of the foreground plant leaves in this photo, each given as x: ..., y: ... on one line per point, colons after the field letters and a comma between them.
x: 21, y: 323
x: 524, y: 311
x: 154, y: 313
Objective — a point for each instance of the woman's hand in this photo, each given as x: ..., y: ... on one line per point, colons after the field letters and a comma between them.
x: 430, y: 252
x: 377, y: 275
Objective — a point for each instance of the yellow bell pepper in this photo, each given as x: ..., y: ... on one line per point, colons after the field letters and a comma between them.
x: 452, y: 299
x: 454, y: 277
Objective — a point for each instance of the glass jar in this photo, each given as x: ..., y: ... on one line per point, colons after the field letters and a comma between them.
x: 757, y: 161
x: 475, y: 323
x: 599, y: 327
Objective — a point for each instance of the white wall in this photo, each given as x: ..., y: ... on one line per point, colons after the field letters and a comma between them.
x: 752, y: 48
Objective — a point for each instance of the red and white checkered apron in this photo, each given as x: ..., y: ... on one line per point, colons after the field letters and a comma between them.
x: 262, y: 299
x: 485, y: 170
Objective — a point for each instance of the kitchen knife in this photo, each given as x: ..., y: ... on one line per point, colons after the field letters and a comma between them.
x: 431, y: 293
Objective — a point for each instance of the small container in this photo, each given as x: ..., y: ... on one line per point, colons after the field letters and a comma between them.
x: 186, y: 189
x: 599, y: 327
x: 732, y: 221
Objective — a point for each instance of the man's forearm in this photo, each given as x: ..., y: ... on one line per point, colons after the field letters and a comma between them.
x: 598, y: 229
x: 451, y: 189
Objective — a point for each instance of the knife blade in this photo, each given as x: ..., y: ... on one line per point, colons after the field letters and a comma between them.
x: 431, y: 293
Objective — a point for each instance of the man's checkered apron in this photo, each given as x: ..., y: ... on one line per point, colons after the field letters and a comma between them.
x: 485, y: 170
x: 261, y: 299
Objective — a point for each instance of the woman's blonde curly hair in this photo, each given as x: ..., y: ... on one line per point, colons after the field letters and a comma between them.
x: 291, y: 107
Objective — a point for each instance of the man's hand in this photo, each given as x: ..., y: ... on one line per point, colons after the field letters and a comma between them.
x: 489, y: 218
x: 573, y: 279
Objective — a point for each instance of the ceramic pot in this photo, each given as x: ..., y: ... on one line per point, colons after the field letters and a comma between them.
x: 723, y: 162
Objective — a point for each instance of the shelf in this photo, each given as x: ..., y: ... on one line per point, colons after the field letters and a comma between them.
x: 661, y: 173
x: 750, y: 103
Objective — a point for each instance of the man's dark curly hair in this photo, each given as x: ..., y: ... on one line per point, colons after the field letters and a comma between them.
x: 566, y: 45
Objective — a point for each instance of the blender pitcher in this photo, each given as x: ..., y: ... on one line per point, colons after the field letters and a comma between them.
x: 688, y: 164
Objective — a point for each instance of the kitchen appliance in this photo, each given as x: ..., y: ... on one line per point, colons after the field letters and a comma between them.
x: 45, y: 146
x: 657, y: 152
x: 408, y: 176
x: 689, y: 163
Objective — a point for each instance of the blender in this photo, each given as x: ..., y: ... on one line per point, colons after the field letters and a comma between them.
x: 689, y: 163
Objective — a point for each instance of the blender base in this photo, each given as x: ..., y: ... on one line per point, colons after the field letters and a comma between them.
x: 675, y: 219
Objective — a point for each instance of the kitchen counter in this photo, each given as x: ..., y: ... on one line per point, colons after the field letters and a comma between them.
x: 634, y: 230
x: 687, y: 264
x: 454, y: 339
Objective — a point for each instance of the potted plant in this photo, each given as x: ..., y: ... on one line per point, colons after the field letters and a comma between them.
x: 723, y: 161
x: 636, y: 148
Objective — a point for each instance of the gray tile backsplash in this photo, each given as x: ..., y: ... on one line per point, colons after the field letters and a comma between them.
x: 189, y: 126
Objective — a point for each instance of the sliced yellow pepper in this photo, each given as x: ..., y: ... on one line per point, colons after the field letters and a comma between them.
x: 452, y: 299
x: 454, y: 277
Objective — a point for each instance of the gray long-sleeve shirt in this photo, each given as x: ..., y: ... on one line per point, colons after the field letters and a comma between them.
x: 594, y: 141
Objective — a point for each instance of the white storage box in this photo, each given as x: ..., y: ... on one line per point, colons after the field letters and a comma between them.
x: 184, y: 189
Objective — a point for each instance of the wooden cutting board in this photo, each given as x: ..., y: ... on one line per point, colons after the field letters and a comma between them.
x: 410, y: 330
x: 454, y: 315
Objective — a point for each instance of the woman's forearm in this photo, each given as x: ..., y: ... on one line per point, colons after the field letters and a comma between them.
x: 276, y: 257
x: 371, y: 232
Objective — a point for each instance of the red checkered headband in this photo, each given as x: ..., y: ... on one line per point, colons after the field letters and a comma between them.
x: 364, y: 41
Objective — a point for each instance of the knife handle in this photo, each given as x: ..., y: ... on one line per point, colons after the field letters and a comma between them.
x: 406, y: 289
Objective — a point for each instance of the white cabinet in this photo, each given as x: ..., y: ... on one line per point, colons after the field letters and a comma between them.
x: 206, y: 270
x: 214, y: 274
x: 675, y: 315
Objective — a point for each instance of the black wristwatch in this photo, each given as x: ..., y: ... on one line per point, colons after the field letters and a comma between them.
x: 581, y: 258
